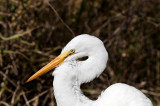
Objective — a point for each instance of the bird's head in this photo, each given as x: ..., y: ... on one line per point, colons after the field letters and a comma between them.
x: 86, y: 53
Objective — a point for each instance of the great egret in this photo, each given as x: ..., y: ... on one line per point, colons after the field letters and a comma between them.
x: 83, y: 59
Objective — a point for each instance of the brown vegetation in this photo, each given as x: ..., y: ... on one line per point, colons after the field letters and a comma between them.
x: 32, y: 34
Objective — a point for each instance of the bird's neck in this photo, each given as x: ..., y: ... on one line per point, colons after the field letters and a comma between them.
x: 67, y: 92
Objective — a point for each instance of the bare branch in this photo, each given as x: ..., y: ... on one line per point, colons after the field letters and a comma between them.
x: 61, y: 19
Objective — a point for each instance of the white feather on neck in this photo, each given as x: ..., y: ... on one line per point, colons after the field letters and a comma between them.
x: 71, y: 74
x: 67, y: 87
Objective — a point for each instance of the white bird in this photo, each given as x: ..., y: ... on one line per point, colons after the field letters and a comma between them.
x: 73, y: 70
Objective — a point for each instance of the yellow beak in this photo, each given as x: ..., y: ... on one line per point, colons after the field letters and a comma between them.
x: 54, y: 63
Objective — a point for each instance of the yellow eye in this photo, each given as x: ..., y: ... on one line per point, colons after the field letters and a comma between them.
x: 72, y: 50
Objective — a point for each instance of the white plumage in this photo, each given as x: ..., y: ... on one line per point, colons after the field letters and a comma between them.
x: 72, y: 73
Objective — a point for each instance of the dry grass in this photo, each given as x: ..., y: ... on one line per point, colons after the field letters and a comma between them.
x: 32, y: 33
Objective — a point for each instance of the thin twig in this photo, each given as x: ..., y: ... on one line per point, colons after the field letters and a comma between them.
x: 17, y: 35
x: 37, y: 96
x: 96, y: 32
x: 61, y: 19
x: 14, y: 94
x: 4, y: 103
x: 8, y: 79
x: 14, y: 52
x: 25, y: 98
x: 1, y: 59
x: 15, y: 70
x: 151, y: 93
x: 45, y: 99
x: 52, y: 97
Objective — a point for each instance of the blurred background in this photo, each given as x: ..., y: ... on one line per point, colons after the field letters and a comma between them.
x: 32, y: 33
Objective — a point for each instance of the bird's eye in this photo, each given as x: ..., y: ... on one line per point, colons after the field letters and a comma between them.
x: 72, y: 50
x: 82, y: 58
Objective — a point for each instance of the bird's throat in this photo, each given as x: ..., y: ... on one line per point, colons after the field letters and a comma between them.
x: 68, y: 93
